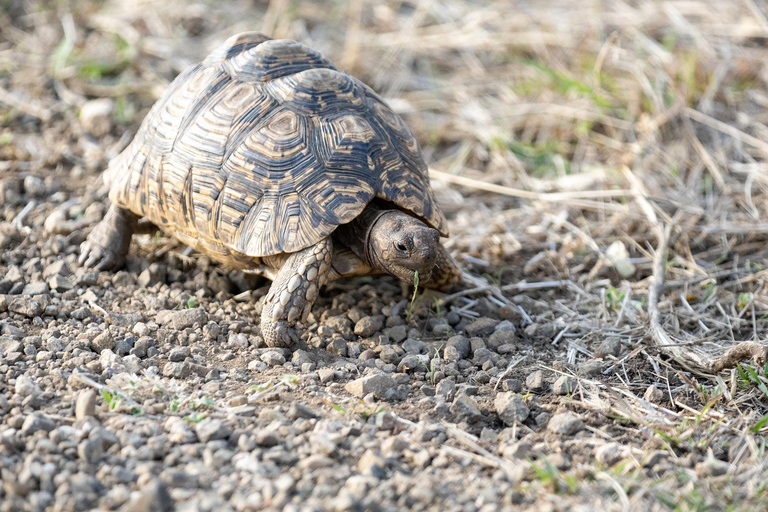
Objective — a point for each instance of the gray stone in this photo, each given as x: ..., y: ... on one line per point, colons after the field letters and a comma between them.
x: 377, y: 384
x: 26, y: 306
x: 26, y: 386
x: 153, y: 274
x: 465, y: 408
x: 503, y: 337
x: 184, y: 318
x: 179, y: 354
x: 564, y: 385
x: 372, y: 464
x: 177, y: 370
x: 39, y: 288
x: 266, y: 438
x: 91, y: 450
x: 610, y: 346
x: 96, y: 116
x: 536, y: 382
x: 86, y: 404
x: 390, y: 354
x: 461, y: 344
x: 37, y: 422
x: 211, y: 429
x: 413, y: 346
x: 480, y: 327
x: 413, y: 363
x: 11, y: 330
x: 299, y: 410
x: 60, y: 283
x: 653, y: 394
x: 511, y: 408
x: 326, y: 375
x: 446, y: 388
x: 398, y: 333
x: 369, y: 325
x: 154, y: 497
x: 273, y: 358
x: 566, y: 423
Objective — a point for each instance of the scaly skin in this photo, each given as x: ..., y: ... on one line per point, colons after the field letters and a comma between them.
x: 446, y: 274
x: 108, y: 243
x: 294, y: 291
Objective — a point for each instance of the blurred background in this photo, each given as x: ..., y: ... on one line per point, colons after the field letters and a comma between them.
x: 562, y: 135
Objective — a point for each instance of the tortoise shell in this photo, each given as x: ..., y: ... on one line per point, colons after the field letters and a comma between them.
x: 265, y: 148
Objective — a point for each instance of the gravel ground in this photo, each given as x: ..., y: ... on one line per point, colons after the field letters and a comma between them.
x: 151, y: 388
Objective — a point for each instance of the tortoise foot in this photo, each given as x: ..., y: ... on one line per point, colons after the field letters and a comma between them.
x: 279, y: 334
x: 108, y: 243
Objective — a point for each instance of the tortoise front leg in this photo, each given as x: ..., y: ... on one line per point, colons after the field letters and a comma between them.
x: 108, y: 243
x: 446, y: 274
x: 293, y: 292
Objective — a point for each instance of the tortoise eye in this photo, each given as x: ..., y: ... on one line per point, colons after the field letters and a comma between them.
x: 400, y: 246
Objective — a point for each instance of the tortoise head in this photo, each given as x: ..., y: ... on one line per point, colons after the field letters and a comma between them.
x: 402, y: 245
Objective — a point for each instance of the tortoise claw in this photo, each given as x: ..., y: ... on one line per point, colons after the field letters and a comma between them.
x: 95, y: 256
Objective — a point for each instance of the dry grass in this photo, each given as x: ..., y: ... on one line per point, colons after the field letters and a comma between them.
x: 556, y: 130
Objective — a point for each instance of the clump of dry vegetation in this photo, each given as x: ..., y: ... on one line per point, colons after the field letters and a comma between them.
x: 604, y: 166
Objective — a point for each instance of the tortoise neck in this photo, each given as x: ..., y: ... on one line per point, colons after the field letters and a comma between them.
x: 356, y: 234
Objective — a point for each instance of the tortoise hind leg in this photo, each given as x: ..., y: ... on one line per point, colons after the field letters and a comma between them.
x: 293, y: 292
x: 108, y: 243
x: 446, y: 273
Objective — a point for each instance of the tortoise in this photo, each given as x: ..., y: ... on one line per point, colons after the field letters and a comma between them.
x: 268, y: 159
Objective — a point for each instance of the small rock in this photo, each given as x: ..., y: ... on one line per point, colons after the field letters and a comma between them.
x: 184, y: 318
x: 446, y: 388
x: 299, y: 410
x: 152, y: 275
x: 212, y: 429
x: 591, y: 367
x: 536, y: 382
x: 154, y: 497
x: 37, y: 422
x: 337, y: 347
x: 372, y: 464
x: 512, y: 385
x: 398, y: 333
x: 564, y: 385
x: 461, y: 344
x: 60, y: 284
x: 39, y: 288
x: 465, y: 408
x: 86, y: 404
x: 566, y: 423
x: 96, y: 116
x: 413, y: 346
x: 266, y: 438
x: 503, y: 337
x: 179, y: 354
x: 480, y: 327
x: 377, y: 384
x: 511, y: 408
x: 91, y: 450
x: 653, y: 394
x: 26, y: 306
x: 238, y: 400
x: 273, y: 358
x: 369, y: 325
x: 411, y: 363
x: 610, y: 346
x: 26, y: 386
x: 391, y: 354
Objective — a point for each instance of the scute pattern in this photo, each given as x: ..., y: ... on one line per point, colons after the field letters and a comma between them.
x: 265, y: 148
